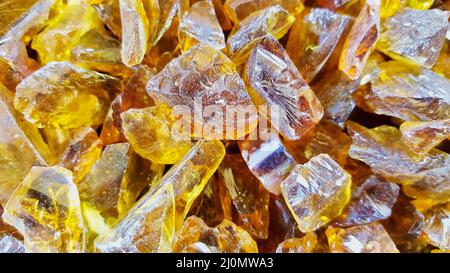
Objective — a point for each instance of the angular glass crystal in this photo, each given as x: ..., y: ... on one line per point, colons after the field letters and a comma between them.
x: 414, y: 35
x: 62, y: 95
x: 361, y: 40
x: 276, y: 82
x: 316, y: 192
x: 313, y: 38
x: 371, y: 238
x: 45, y: 208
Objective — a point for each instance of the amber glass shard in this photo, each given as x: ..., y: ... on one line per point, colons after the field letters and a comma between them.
x: 12, y: 12
x: 414, y: 35
x: 149, y: 130
x: 313, y: 39
x: 200, y: 24
x: 371, y: 238
x: 21, y: 147
x: 334, y: 92
x: 238, y: 10
x: 282, y: 225
x: 249, y: 197
x: 268, y: 161
x: 409, y: 92
x: 421, y: 137
x: 384, y: 151
x: 316, y: 192
x: 274, y: 21
x: 306, y: 244
x: 100, y: 52
x: 371, y: 70
x: 61, y: 95
x: 405, y: 224
x: 329, y: 139
x: 332, y: 4
x: 133, y: 95
x: 197, y: 237
x: 213, y: 204
x: 205, y: 78
x: 151, y: 224
x: 222, y: 16
x: 45, y: 208
x: 56, y: 139
x: 358, y: 169
x: 161, y: 14
x: 135, y: 31
x: 149, y: 227
x: 370, y: 202
x: 109, y: 12
x: 437, y: 222
x: 82, y: 152
x: 31, y: 21
x: 361, y: 40
x: 10, y: 244
x: 15, y: 65
x: 56, y: 41
x: 166, y: 49
x: 114, y: 182
x: 275, y: 81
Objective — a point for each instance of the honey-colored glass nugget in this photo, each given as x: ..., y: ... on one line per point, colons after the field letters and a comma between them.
x: 13, y: 11
x: 414, y: 35
x: 274, y: 21
x: 316, y: 192
x: 149, y: 130
x: 371, y: 238
x: 82, y: 152
x: 197, y: 237
x: 382, y: 148
x: 98, y: 51
x: 114, y: 182
x: 61, y: 95
x: 329, y: 139
x: 275, y: 80
x: 421, y: 137
x: 135, y: 31
x: 437, y: 221
x: 21, y: 147
x: 150, y: 226
x: 406, y: 223
x: 133, y: 95
x: 334, y: 92
x: 73, y: 20
x: 204, y: 78
x: 361, y: 40
x: 15, y: 65
x: 370, y: 202
x: 238, y: 10
x: 161, y: 13
x: 109, y: 13
x: 409, y: 92
x: 200, y: 24
x: 45, y: 208
x: 313, y: 38
x: 268, y: 161
x: 306, y: 244
x: 248, y: 196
